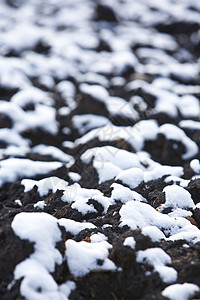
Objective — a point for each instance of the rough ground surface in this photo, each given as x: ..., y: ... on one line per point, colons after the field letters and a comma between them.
x: 100, y: 106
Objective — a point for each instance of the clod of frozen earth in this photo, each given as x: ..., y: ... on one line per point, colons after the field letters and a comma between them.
x: 177, y: 197
x: 158, y: 259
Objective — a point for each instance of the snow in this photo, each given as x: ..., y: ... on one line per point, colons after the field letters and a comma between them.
x: 13, y: 150
x: 115, y: 105
x: 118, y: 80
x: 13, y: 138
x: 194, y: 125
x: 139, y: 215
x: 94, y: 78
x: 68, y: 91
x: 129, y: 242
x: 131, y: 177
x: 54, y: 152
x: 74, y: 227
x: 179, y: 212
x: 106, y: 170
x: 189, y: 106
x: 98, y: 237
x: 189, y: 233
x: 118, y: 106
x: 34, y: 226
x: 135, y: 135
x: 37, y: 283
x: 40, y: 205
x: 124, y: 194
x: 177, y: 197
x: 74, y: 176
x: 79, y: 197
x: 85, y: 123
x: 31, y: 95
x: 67, y: 287
x: 15, y: 168
x: 177, y: 180
x: 18, y: 201
x: 66, y: 130
x: 73, y: 194
x: 95, y: 91
x: 64, y: 111
x: 153, y: 232
x: 43, y: 117
x: 82, y: 257
x: 44, y: 185
x: 158, y: 259
x: 121, y: 60
x: 19, y: 37
x: 172, y: 132
x: 104, y: 201
x: 195, y: 166
x: 46, y: 81
x: 160, y: 170
x: 180, y: 291
x: 119, y: 157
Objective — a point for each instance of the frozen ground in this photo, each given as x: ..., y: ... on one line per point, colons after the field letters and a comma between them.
x: 99, y: 149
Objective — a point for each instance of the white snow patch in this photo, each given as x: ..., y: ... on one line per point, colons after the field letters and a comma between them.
x: 177, y: 180
x: 172, y: 132
x: 85, y: 123
x: 15, y: 168
x: 131, y: 177
x: 98, y: 237
x: 66, y: 130
x: 40, y: 205
x: 43, y: 117
x: 44, y: 185
x: 189, y: 233
x: 179, y: 212
x: 18, y: 201
x: 37, y: 283
x: 64, y: 111
x: 195, y: 165
x: 124, y: 194
x: 106, y: 170
x: 67, y: 287
x: 82, y: 257
x: 135, y: 135
x: 155, y: 234
x: 129, y: 242
x: 119, y: 157
x: 74, y: 227
x: 74, y: 176
x: 68, y: 91
x: 95, y: 91
x: 55, y: 153
x: 158, y: 259
x: 115, y: 105
x: 31, y: 95
x: 13, y: 138
x: 177, y: 197
x: 189, y: 106
x: 159, y: 171
x: 79, y: 198
x: 180, y: 291
x: 195, y: 125
x: 139, y: 215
